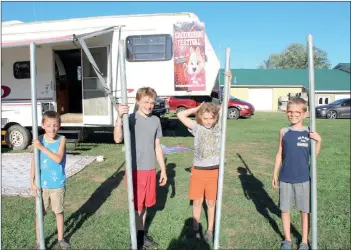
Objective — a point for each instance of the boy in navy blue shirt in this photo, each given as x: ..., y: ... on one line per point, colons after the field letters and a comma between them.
x: 292, y: 165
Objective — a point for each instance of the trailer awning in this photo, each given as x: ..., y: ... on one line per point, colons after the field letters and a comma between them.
x: 56, y: 39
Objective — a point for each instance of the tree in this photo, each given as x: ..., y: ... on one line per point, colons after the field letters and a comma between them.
x: 295, y: 56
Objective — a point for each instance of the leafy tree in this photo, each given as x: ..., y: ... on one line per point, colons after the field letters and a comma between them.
x: 295, y: 56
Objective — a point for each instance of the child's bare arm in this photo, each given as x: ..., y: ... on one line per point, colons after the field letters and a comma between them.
x: 159, y: 155
x: 32, y: 178
x: 32, y: 172
x: 318, y: 147
x: 278, y: 161
x: 315, y: 136
x: 118, y: 131
x: 55, y: 157
x: 161, y: 161
x: 229, y: 74
x: 183, y: 116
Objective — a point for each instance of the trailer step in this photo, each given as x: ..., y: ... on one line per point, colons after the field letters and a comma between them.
x: 72, y: 118
x: 73, y: 135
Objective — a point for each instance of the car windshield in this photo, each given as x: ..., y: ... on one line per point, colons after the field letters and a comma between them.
x: 232, y: 98
x: 337, y: 102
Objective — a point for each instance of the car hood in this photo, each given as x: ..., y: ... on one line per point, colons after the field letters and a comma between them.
x: 326, y: 106
x: 322, y: 106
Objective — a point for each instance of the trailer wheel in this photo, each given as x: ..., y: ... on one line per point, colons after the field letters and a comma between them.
x: 17, y: 137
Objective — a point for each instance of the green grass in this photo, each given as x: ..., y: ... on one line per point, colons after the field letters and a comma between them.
x: 96, y: 203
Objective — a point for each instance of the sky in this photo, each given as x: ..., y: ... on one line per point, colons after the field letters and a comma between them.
x: 252, y: 30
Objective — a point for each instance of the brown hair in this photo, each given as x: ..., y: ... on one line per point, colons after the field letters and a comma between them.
x: 51, y: 114
x: 298, y: 101
x: 207, y: 107
x: 146, y: 91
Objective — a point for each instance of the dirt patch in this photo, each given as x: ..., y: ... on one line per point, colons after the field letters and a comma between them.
x: 231, y: 232
x: 248, y: 146
x: 74, y: 205
x: 98, y: 179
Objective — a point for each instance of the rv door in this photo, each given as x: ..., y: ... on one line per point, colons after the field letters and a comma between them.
x: 98, y: 51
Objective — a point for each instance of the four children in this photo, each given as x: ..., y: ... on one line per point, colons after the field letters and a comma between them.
x: 291, y: 171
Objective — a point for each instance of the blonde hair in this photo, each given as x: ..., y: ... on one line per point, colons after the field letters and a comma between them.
x: 146, y: 91
x: 298, y: 101
x: 207, y: 107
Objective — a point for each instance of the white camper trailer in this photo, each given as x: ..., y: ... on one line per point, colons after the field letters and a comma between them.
x: 66, y: 52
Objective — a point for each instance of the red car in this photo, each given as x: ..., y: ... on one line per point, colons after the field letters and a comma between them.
x: 236, y: 107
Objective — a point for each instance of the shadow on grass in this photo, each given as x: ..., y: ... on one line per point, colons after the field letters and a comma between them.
x: 162, y: 194
x: 89, y: 208
x: 96, y: 136
x: 254, y: 190
x: 187, y: 240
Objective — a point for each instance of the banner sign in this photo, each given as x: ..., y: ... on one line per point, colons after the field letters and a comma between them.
x: 189, y: 56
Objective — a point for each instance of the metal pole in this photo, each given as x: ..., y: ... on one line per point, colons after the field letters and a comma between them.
x: 39, y: 205
x: 222, y: 154
x: 312, y: 111
x: 127, y: 145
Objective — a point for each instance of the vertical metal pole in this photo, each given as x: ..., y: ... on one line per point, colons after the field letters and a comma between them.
x: 127, y: 145
x: 39, y: 205
x: 222, y: 153
x: 312, y: 111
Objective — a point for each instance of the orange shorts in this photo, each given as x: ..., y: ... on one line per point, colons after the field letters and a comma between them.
x: 203, y: 182
x: 144, y: 188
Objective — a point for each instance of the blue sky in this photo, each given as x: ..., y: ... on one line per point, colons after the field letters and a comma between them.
x: 253, y: 30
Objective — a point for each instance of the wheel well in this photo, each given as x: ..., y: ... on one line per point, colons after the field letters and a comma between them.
x: 10, y: 124
x: 181, y: 106
x: 230, y: 107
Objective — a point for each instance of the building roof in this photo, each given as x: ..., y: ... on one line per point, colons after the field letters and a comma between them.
x: 343, y: 66
x: 325, y: 79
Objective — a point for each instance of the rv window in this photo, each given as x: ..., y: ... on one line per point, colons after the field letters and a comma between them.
x: 21, y: 70
x: 149, y: 48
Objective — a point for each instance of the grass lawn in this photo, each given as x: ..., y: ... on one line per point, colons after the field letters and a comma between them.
x: 96, y: 214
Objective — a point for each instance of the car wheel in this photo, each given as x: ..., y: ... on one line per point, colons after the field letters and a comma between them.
x: 17, y: 137
x: 233, y: 114
x: 180, y: 109
x: 332, y: 115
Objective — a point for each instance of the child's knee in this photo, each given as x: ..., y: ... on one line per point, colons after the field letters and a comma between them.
x: 210, y: 203
x: 197, y: 203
